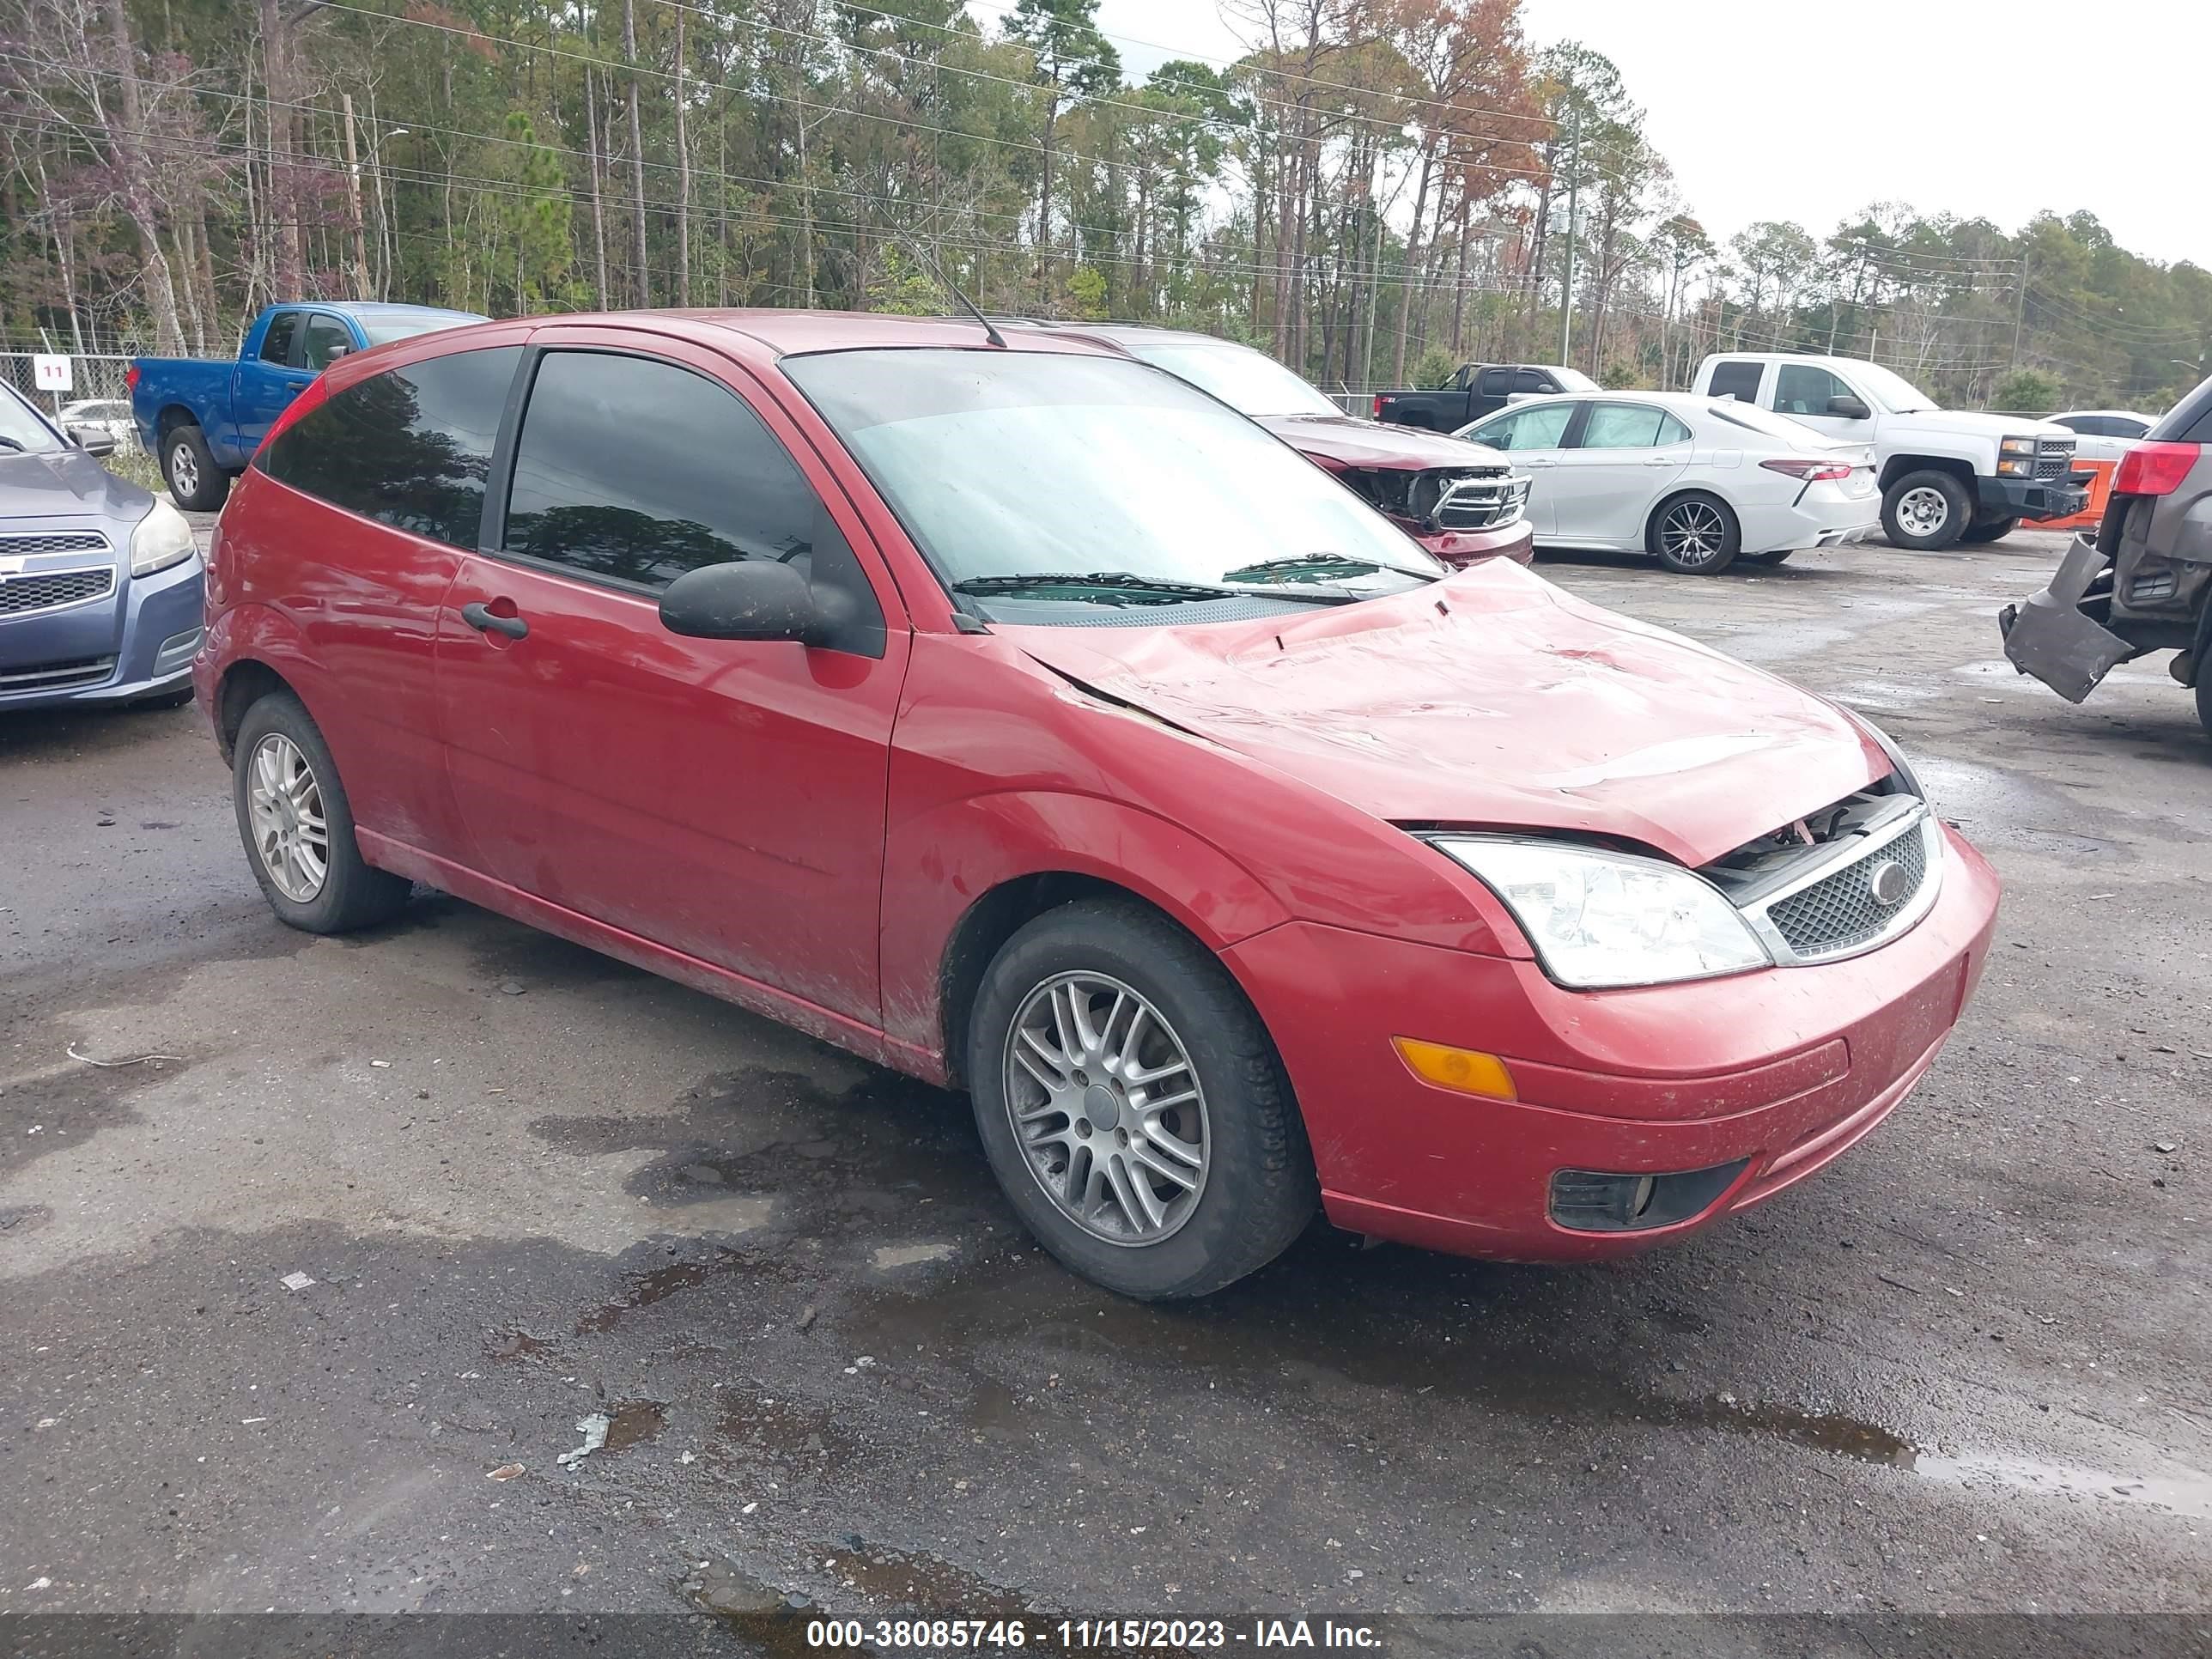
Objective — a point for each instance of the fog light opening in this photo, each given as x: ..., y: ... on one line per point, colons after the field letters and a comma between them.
x: 1593, y: 1201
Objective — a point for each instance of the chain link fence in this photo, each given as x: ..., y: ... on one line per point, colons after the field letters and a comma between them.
x: 93, y: 379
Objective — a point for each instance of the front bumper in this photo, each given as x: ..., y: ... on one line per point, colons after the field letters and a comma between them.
x: 1784, y: 1069
x: 1515, y: 541
x: 151, y: 651
x: 2028, y: 498
x: 2049, y: 636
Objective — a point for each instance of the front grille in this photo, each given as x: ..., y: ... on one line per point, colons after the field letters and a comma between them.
x: 1482, y: 501
x: 2054, y: 458
x: 1842, y: 911
x: 20, y: 594
x: 65, y: 541
x: 58, y: 676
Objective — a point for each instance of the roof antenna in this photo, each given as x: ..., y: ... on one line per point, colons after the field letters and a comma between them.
x: 946, y: 283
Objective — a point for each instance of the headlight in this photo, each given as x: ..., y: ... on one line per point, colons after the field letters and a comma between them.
x: 1609, y: 919
x: 162, y: 539
x: 2016, y: 446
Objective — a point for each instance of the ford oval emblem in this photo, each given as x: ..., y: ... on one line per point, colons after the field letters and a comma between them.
x: 1888, y: 883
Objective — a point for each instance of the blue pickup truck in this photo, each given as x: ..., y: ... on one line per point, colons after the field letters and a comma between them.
x: 204, y: 418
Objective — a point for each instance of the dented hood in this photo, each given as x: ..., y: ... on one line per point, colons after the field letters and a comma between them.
x: 1342, y: 441
x: 1491, y: 699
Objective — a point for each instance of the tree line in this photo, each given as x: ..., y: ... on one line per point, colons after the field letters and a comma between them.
x: 1374, y: 190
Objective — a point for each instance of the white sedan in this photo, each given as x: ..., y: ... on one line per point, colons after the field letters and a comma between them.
x: 1693, y: 480
x: 2105, y: 434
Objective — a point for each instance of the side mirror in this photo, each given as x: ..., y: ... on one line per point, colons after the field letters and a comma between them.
x: 744, y: 599
x: 93, y: 442
x: 336, y: 352
x: 1849, y: 408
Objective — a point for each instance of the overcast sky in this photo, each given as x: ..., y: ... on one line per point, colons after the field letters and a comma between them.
x: 1768, y: 110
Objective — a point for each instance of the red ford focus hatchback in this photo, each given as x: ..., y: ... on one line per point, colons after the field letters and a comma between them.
x: 1027, y: 720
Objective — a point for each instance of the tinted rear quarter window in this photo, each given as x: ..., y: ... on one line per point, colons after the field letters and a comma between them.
x: 638, y: 470
x: 1737, y: 380
x: 409, y: 447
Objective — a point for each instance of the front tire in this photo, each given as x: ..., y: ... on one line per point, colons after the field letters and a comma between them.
x: 1694, y: 535
x: 195, y: 481
x: 297, y: 824
x: 1926, y: 512
x: 1981, y: 535
x: 1133, y: 1106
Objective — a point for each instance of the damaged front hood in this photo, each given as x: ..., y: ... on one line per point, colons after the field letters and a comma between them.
x: 1342, y: 441
x: 1493, y: 699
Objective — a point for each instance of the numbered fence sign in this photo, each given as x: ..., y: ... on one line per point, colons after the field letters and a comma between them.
x: 52, y: 371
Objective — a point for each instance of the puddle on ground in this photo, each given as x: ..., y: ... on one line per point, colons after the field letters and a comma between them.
x: 632, y: 1423
x: 921, y: 1580
x: 795, y: 1435
x: 643, y: 1290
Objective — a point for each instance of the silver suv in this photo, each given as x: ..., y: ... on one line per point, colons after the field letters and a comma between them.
x: 2143, y: 583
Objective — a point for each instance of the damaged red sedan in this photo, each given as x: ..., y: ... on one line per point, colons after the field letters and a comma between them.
x: 1021, y: 718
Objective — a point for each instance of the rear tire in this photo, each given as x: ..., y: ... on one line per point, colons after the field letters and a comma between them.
x: 195, y: 481
x: 1166, y: 1079
x: 297, y: 824
x: 1925, y: 512
x: 1694, y: 534
x: 1982, y: 535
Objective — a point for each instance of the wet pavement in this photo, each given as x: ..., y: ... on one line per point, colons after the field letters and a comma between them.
x: 1964, y: 1370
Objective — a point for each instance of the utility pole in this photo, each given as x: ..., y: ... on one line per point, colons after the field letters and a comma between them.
x: 1567, y: 282
x: 353, y: 206
x: 2018, y: 309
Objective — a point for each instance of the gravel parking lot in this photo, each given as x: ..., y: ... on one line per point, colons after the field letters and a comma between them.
x: 1964, y: 1369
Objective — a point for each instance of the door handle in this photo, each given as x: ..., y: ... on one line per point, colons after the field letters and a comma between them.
x: 1661, y: 460
x: 482, y: 617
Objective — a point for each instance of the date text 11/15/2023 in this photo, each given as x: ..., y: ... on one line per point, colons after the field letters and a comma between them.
x: 1073, y: 1636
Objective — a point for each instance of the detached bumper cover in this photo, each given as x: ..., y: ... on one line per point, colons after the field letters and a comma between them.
x: 2029, y: 498
x: 1515, y: 541
x: 2049, y: 637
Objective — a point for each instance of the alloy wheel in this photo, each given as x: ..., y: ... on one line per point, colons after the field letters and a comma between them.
x: 184, y: 470
x: 291, y: 833
x: 1923, y: 512
x: 1693, y: 533
x: 1106, y: 1108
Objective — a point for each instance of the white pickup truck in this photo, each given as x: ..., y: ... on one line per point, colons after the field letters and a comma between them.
x: 1946, y: 475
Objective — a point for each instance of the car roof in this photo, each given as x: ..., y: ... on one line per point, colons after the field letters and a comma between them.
x: 791, y: 333
x: 2129, y: 414
x: 1624, y: 395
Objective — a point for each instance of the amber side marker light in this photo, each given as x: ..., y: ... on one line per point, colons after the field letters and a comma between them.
x: 1465, y: 1071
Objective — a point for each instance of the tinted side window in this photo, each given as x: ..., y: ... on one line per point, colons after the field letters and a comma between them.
x: 277, y: 343
x: 640, y: 471
x: 1801, y: 389
x: 1496, y: 382
x: 409, y: 447
x: 327, y: 341
x: 1529, y: 380
x: 2119, y: 425
x: 2087, y: 425
x: 1737, y: 380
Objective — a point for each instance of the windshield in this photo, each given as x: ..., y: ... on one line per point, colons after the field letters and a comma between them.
x: 383, y: 330
x: 1120, y: 482
x: 1892, y: 391
x: 22, y: 432
x: 1240, y: 377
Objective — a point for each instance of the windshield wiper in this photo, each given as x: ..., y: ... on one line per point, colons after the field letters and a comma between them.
x: 1299, y: 564
x: 1126, y: 587
x: 14, y: 443
x: 1112, y: 586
